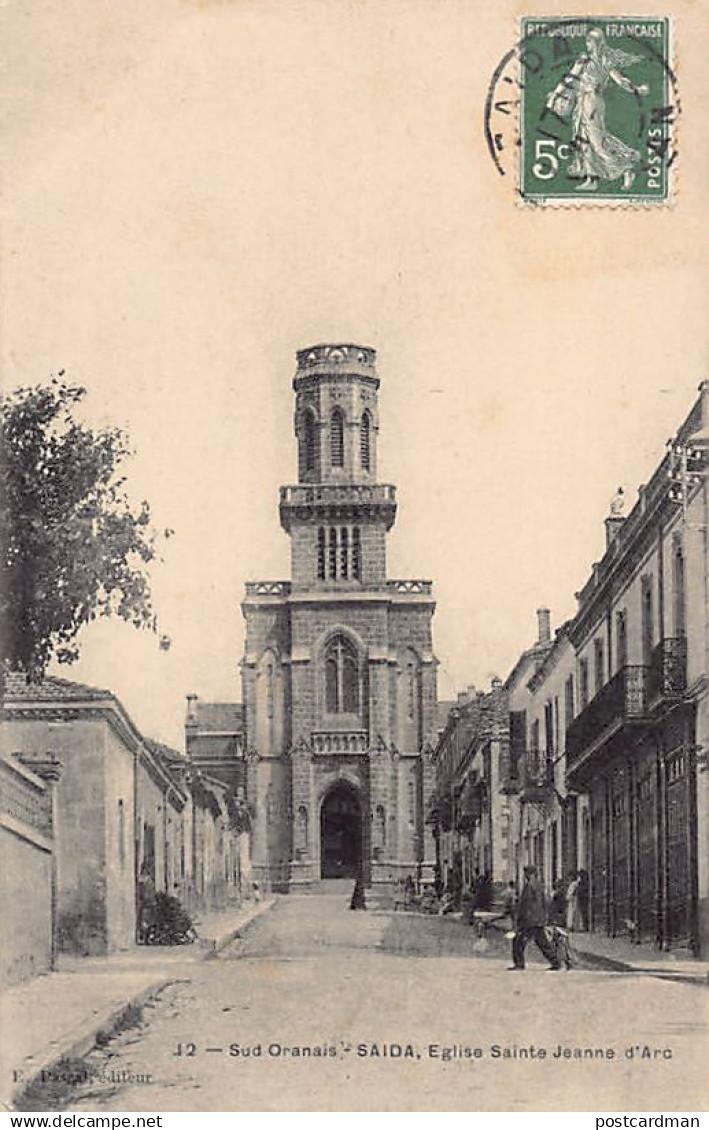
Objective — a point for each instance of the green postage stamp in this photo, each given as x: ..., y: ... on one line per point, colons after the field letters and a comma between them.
x: 597, y: 109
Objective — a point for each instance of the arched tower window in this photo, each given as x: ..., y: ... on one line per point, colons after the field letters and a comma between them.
x: 333, y: 553
x: 269, y: 691
x: 321, y: 554
x: 344, y: 552
x: 379, y: 830
x: 356, y: 554
x: 337, y: 439
x: 309, y: 441
x: 412, y: 801
x: 411, y: 689
x: 365, y: 442
x: 341, y: 677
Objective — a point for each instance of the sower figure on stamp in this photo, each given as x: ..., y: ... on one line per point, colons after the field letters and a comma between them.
x: 598, y: 154
x: 531, y: 920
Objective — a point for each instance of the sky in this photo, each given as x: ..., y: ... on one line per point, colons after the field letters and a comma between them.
x: 198, y: 188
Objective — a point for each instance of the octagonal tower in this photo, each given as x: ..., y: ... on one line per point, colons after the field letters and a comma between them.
x: 339, y: 677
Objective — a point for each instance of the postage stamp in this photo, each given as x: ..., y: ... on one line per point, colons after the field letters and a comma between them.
x: 597, y: 109
x: 590, y: 105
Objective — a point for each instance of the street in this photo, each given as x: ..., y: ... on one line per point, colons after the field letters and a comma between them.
x: 320, y: 1008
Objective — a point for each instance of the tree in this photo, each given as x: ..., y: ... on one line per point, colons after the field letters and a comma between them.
x: 74, y: 548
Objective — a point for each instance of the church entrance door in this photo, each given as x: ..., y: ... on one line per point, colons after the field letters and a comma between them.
x: 340, y: 833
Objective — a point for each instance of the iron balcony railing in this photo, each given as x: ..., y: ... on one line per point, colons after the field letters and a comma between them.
x: 621, y: 701
x: 667, y: 677
x: 537, y: 776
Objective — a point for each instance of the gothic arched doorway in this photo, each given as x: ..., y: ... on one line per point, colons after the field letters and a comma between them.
x: 340, y: 833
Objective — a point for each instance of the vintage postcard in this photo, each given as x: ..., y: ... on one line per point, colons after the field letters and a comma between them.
x: 355, y: 577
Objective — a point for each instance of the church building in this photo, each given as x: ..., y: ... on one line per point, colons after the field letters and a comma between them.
x: 338, y: 675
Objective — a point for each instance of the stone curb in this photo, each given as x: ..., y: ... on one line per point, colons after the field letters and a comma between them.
x: 101, y: 1028
x: 82, y: 1040
x: 212, y: 946
x: 613, y: 964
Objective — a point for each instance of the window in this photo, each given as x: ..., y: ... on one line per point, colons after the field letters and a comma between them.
x: 344, y: 552
x: 321, y: 554
x: 339, y: 554
x: 598, y: 664
x: 356, y: 554
x: 121, y: 833
x: 549, y: 728
x: 412, y: 689
x: 583, y: 682
x: 149, y: 848
x: 412, y: 802
x: 269, y: 690
x: 309, y: 441
x: 341, y: 677
x: 364, y: 442
x: 621, y: 633
x: 534, y: 737
x: 518, y: 739
x: 337, y: 439
x: 679, y: 597
x: 333, y: 553
x: 647, y: 619
x: 379, y: 832
x: 569, y: 699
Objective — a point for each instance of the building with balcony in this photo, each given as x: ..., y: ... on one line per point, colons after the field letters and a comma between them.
x: 609, y: 723
x: 468, y: 814
x: 548, y: 815
x: 638, y: 741
x: 338, y: 675
x: 519, y: 774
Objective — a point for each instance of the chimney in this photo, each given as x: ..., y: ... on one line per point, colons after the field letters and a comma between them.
x: 544, y: 622
x: 191, y: 719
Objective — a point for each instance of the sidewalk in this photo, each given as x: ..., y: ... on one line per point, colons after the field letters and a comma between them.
x: 62, y: 1015
x: 623, y: 955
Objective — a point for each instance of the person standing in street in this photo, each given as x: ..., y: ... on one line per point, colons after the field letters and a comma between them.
x: 531, y: 922
x: 573, y: 913
x: 583, y: 896
x: 557, y: 912
x: 358, y: 901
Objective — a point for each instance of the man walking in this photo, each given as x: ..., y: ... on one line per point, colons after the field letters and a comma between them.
x: 531, y: 920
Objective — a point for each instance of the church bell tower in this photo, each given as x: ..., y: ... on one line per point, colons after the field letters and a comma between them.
x: 339, y: 676
x: 337, y: 515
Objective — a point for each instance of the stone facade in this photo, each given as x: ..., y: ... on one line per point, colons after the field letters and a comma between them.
x: 27, y: 875
x: 470, y: 812
x: 338, y: 675
x: 603, y: 765
x: 123, y: 803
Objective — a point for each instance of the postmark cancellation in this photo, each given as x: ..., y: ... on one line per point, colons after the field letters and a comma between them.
x: 596, y: 105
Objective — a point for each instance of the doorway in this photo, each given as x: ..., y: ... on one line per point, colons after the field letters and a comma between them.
x: 340, y: 833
